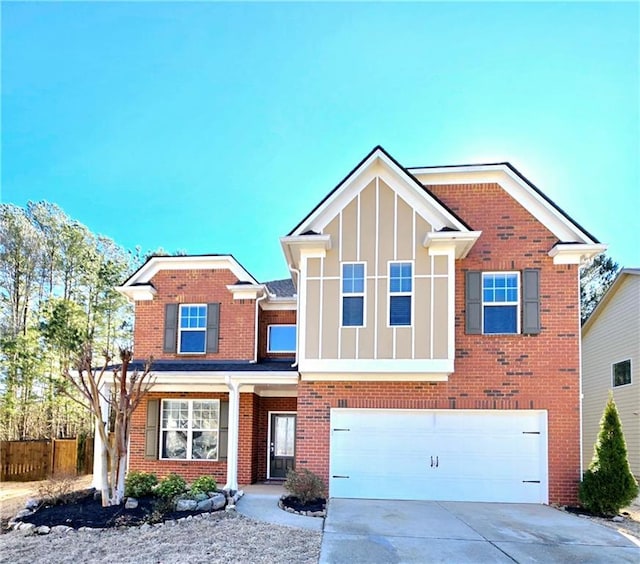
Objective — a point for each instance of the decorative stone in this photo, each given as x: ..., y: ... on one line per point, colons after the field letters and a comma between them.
x: 230, y: 507
x: 97, y: 496
x: 88, y: 530
x: 26, y: 526
x: 131, y: 503
x: 23, y: 513
x: 186, y: 505
x: 31, y: 504
x: 43, y: 530
x: 218, y: 501
x: 618, y: 519
x: 200, y: 496
x: 145, y: 527
x: 61, y: 529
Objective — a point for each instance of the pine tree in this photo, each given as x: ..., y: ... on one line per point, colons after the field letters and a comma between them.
x: 608, y: 484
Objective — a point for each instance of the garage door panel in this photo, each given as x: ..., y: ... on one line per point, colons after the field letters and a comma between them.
x: 441, y: 455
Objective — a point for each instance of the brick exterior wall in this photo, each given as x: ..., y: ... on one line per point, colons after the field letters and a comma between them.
x: 252, y: 440
x: 273, y: 317
x: 237, y: 317
x: 491, y: 371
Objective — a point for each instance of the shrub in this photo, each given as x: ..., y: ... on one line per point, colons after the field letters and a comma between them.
x: 305, y: 485
x: 139, y: 484
x: 171, y: 486
x: 204, y: 484
x: 56, y: 490
x: 608, y: 484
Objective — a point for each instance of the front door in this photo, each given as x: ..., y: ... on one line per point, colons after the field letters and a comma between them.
x: 282, y: 444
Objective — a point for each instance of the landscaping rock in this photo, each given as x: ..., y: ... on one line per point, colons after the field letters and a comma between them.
x: 23, y: 513
x: 205, y: 505
x: 26, y: 526
x: 131, y: 503
x: 43, y: 530
x: 145, y: 527
x: 31, y: 504
x: 186, y: 504
x: 618, y: 519
x: 200, y: 496
x: 230, y: 507
x: 61, y: 529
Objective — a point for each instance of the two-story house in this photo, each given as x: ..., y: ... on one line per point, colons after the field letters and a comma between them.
x: 426, y: 346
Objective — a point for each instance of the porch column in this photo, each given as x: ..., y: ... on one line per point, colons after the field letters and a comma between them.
x: 105, y: 397
x: 233, y: 434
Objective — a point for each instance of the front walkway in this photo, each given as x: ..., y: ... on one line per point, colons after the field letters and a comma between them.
x: 260, y: 502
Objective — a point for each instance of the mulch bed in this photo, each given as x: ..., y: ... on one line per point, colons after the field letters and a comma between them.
x: 82, y: 510
x: 295, y: 504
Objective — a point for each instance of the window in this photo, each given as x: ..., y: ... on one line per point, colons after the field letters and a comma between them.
x: 281, y: 338
x: 353, y: 294
x: 192, y: 328
x: 400, y: 288
x: 189, y: 429
x: 500, y: 302
x: 621, y: 373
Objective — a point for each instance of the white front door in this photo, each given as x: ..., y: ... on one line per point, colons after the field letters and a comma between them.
x: 454, y: 455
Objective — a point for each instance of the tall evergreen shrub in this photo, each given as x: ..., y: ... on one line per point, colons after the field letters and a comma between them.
x: 608, y: 484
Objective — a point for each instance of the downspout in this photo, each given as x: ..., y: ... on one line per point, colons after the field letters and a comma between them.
x: 255, y: 337
x: 580, y: 370
x: 292, y: 269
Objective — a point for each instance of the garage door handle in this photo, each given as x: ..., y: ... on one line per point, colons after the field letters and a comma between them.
x: 437, y: 462
x: 432, y: 462
x: 337, y: 476
x: 530, y: 481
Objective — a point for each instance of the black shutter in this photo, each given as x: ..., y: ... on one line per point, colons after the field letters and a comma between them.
x: 213, y: 327
x: 531, y: 301
x: 151, y: 429
x: 473, y: 302
x: 223, y: 435
x: 170, y: 328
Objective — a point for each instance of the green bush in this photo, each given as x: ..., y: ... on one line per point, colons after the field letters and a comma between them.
x: 171, y: 486
x: 305, y: 485
x: 139, y: 484
x: 608, y: 484
x: 204, y: 484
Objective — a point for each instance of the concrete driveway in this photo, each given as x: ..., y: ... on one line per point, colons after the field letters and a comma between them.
x: 376, y: 531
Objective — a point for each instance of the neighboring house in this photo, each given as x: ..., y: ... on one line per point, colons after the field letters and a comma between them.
x: 436, y: 354
x: 611, y: 361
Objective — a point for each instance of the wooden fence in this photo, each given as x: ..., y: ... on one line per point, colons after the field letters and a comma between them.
x: 23, y: 461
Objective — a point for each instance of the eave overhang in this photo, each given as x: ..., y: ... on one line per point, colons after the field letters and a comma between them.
x: 138, y: 292
x: 575, y: 253
x: 297, y: 246
x: 247, y: 291
x: 441, y: 242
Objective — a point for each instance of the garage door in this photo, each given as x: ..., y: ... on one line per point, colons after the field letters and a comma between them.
x: 451, y: 455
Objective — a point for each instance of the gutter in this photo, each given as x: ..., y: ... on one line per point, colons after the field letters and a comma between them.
x: 297, y: 272
x: 257, y: 325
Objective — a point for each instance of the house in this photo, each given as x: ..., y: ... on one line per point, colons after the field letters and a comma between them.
x: 611, y: 362
x: 426, y: 345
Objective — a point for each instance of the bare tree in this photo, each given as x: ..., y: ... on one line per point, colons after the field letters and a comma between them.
x: 123, y: 393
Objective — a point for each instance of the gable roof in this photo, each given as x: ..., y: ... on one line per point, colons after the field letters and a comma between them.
x: 141, y: 278
x: 281, y: 288
x: 447, y: 218
x: 602, y: 304
x: 527, y: 194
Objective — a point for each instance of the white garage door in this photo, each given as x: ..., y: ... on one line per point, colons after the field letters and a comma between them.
x: 449, y: 455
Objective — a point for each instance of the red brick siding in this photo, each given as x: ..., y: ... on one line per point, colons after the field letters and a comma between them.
x: 237, y: 317
x: 491, y: 372
x: 252, y: 440
x: 273, y: 317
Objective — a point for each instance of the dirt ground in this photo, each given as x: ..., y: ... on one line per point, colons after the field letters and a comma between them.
x: 13, y: 495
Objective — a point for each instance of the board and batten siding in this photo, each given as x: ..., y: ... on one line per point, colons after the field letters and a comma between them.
x: 377, y: 227
x: 614, y: 336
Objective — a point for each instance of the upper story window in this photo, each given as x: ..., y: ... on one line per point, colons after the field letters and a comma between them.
x: 353, y: 294
x: 500, y: 302
x: 189, y: 429
x: 192, y: 328
x: 621, y: 373
x: 281, y: 339
x: 400, y: 293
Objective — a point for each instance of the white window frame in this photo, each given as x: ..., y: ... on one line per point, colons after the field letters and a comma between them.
x: 189, y: 430
x: 518, y: 302
x: 269, y: 337
x: 362, y: 294
x: 613, y: 376
x: 181, y: 329
x: 390, y: 293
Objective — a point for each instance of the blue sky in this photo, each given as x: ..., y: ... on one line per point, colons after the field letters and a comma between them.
x: 214, y: 127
